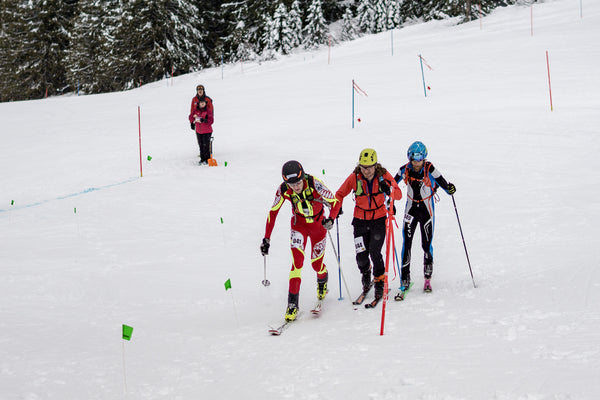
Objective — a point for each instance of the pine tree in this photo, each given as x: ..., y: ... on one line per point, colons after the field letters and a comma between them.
x: 380, y: 16
x: 366, y: 16
x: 393, y: 19
x: 316, y: 31
x: 295, y: 23
x: 280, y: 35
x: 156, y: 36
x: 348, y: 26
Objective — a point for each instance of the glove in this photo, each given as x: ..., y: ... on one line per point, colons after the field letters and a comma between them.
x: 264, y: 247
x: 202, y: 119
x: 451, y: 188
x: 385, y: 187
x: 193, y: 125
x: 327, y: 223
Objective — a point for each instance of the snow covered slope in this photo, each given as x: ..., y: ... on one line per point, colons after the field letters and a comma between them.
x: 88, y: 245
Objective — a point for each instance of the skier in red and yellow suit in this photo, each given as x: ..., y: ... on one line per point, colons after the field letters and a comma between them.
x: 308, y: 196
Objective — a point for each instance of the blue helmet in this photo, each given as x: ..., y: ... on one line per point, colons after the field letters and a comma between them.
x: 416, y: 151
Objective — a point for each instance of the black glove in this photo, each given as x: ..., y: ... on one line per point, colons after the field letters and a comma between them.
x: 193, y: 125
x: 451, y: 188
x: 327, y: 223
x: 202, y: 119
x: 264, y: 247
x: 385, y: 187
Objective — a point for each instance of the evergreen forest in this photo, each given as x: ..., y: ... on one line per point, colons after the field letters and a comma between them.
x: 52, y: 47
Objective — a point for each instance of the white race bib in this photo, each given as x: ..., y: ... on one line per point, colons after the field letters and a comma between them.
x: 359, y: 245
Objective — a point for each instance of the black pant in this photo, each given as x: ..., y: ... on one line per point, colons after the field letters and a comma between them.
x: 204, y: 144
x: 417, y: 214
x: 371, y: 235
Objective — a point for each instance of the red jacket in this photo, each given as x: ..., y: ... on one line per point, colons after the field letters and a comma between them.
x: 196, y: 100
x: 207, y: 115
x: 370, y: 203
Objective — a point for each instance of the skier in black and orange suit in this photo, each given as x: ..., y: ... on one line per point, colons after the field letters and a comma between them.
x: 371, y: 183
x: 309, y: 197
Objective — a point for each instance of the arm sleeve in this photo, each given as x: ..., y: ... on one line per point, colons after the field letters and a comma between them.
x: 348, y: 185
x: 392, y: 181
x: 439, y: 179
x: 277, y: 203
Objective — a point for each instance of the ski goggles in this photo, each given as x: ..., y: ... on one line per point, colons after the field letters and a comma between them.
x: 417, y: 157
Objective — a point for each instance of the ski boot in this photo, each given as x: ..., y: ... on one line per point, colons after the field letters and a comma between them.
x: 428, y: 271
x: 292, y: 309
x: 379, y: 283
x: 403, y: 289
x: 427, y: 287
x: 322, y: 287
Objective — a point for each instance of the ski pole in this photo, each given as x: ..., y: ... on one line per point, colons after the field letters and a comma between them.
x: 265, y: 281
x: 398, y: 266
x: 337, y: 228
x: 463, y: 240
x: 340, y: 268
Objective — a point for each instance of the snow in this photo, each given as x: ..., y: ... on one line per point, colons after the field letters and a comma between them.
x: 89, y: 245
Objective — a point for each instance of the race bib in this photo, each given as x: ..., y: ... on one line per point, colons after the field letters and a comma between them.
x: 408, y: 218
x: 359, y: 245
x: 297, y: 240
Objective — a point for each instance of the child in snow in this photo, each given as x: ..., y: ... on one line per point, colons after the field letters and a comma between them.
x: 202, y: 119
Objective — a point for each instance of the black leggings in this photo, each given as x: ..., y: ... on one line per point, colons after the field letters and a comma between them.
x: 369, y: 236
x: 204, y: 143
x: 417, y: 215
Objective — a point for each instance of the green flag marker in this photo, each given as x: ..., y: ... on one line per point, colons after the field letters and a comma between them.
x: 75, y: 210
x: 127, y: 332
x: 149, y: 158
x: 227, y: 284
x: 12, y: 202
x: 323, y: 171
x: 221, y: 219
x: 225, y: 163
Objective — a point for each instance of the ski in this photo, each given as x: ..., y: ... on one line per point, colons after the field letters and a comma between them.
x: 279, y: 330
x: 317, y: 308
x: 276, y: 331
x: 402, y: 293
x: 359, y: 300
x: 374, y: 303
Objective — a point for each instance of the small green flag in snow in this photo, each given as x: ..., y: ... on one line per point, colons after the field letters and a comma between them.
x: 127, y: 332
x: 227, y: 284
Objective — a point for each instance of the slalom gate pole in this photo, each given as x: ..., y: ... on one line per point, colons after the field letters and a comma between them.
x: 352, y: 103
x: 463, y: 240
x: 337, y: 228
x: 140, y: 134
x: 340, y: 268
x: 549, y: 85
x: 389, y: 239
x: 423, y: 75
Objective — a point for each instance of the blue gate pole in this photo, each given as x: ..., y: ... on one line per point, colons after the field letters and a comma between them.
x: 423, y: 74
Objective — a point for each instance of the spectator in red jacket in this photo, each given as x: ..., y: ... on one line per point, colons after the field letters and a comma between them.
x: 201, y: 120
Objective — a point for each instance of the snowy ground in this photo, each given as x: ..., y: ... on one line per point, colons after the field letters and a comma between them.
x: 88, y: 245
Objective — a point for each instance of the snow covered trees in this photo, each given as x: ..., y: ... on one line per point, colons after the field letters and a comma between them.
x: 316, y: 31
x: 56, y: 46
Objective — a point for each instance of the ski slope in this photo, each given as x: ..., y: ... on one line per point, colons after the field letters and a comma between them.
x: 88, y: 245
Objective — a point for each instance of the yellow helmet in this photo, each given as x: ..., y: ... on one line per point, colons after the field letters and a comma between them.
x: 367, y: 157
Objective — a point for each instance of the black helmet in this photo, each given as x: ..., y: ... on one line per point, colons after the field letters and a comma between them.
x: 292, y: 172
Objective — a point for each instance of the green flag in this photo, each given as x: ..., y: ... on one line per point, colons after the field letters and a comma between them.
x: 127, y: 332
x: 227, y: 284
